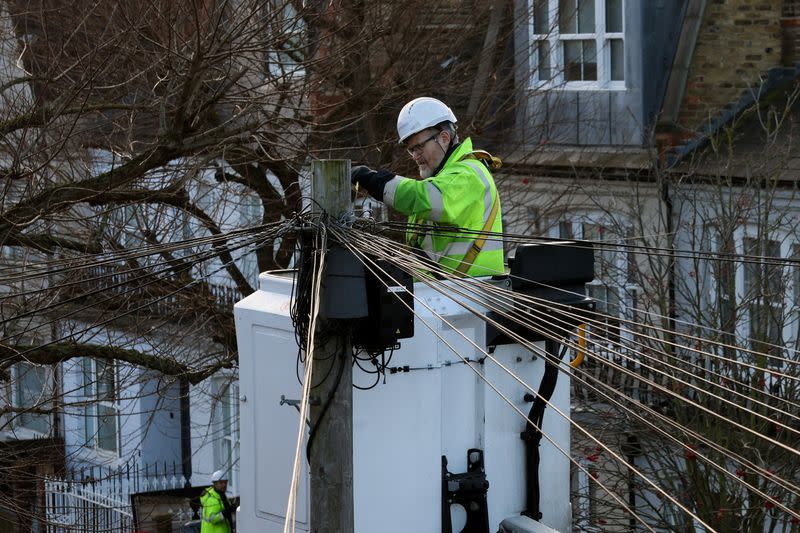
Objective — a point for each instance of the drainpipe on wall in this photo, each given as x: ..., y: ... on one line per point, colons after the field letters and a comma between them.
x: 632, y: 449
x: 668, y: 207
x: 186, y: 434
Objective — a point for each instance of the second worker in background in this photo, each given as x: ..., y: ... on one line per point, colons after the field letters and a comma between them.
x: 455, y: 190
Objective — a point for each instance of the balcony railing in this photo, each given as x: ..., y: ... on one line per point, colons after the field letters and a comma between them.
x: 159, y: 294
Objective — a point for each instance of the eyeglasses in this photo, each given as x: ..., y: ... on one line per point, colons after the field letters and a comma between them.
x: 417, y: 148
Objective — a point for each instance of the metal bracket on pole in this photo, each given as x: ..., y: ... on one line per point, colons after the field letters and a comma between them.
x: 296, y: 404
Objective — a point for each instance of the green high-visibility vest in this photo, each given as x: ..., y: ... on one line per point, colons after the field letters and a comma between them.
x: 213, y: 519
x: 461, y: 195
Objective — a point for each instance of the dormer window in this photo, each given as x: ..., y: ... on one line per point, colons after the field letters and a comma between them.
x: 578, y: 44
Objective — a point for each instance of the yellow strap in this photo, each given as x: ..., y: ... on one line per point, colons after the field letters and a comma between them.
x: 575, y: 363
x: 477, y: 245
x: 494, y: 162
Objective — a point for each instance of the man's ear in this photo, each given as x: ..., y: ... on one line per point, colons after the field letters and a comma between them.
x: 447, y: 137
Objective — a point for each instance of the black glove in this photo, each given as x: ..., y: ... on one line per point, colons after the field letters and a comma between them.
x: 372, y: 180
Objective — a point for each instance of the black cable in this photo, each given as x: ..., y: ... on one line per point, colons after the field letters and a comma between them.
x: 300, y: 298
x: 377, y: 371
x: 154, y: 279
x: 40, y: 269
x: 434, y: 266
x: 380, y: 367
x: 312, y: 432
x: 126, y: 313
x: 151, y: 273
x: 599, y: 245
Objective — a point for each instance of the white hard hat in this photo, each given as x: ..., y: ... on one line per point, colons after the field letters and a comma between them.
x: 422, y: 113
x: 219, y: 475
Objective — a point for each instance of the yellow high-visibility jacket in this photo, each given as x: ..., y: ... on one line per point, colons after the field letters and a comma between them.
x: 461, y: 195
x: 213, y: 519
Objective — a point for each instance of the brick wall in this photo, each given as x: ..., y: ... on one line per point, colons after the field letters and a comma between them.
x: 739, y: 40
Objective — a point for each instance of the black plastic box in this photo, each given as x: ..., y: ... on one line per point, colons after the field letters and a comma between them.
x: 390, y: 300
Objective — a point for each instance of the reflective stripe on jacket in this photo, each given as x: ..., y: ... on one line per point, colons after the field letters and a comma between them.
x: 213, y: 520
x: 459, y: 195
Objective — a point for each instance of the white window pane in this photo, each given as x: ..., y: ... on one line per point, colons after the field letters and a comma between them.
x: 235, y: 411
x: 763, y: 278
x: 105, y: 381
x: 107, y: 428
x: 617, y: 60
x: 585, y: 16
x: 541, y: 19
x: 614, y: 16
x: 612, y: 301
x: 226, y: 462
x: 567, y: 16
x: 543, y: 54
x: 766, y: 331
x: 750, y: 267
x: 572, y: 60
x: 796, y: 274
x: 225, y: 408
x: 565, y: 230
x: 32, y: 391
x: 30, y: 384
x: 773, y: 271
x: 580, y: 60
x: 35, y: 421
x: 89, y: 418
x: 589, y: 60
x: 87, y: 376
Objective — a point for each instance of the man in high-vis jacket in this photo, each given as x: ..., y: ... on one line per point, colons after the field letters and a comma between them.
x: 455, y: 190
x: 217, y: 512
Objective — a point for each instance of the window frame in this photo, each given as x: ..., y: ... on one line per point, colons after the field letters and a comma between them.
x: 742, y: 302
x: 48, y: 390
x: 794, y: 296
x: 765, y: 276
x: 226, y: 393
x: 295, y: 26
x: 555, y: 40
x: 93, y: 401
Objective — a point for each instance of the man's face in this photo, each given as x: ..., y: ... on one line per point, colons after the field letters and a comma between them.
x: 221, y: 485
x: 428, y: 148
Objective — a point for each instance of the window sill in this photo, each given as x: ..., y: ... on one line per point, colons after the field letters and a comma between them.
x: 99, y: 455
x: 23, y: 433
x: 577, y: 87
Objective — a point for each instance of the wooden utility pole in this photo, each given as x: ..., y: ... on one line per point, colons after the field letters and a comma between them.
x: 332, y: 448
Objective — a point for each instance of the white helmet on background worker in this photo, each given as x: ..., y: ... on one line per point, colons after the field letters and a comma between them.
x: 420, y: 114
x: 219, y: 475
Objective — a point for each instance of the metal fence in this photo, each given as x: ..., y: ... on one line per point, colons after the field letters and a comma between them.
x: 97, y: 500
x: 72, y: 507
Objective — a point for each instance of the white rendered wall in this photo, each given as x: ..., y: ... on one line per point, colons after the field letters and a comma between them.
x: 149, y: 416
x: 401, y: 428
